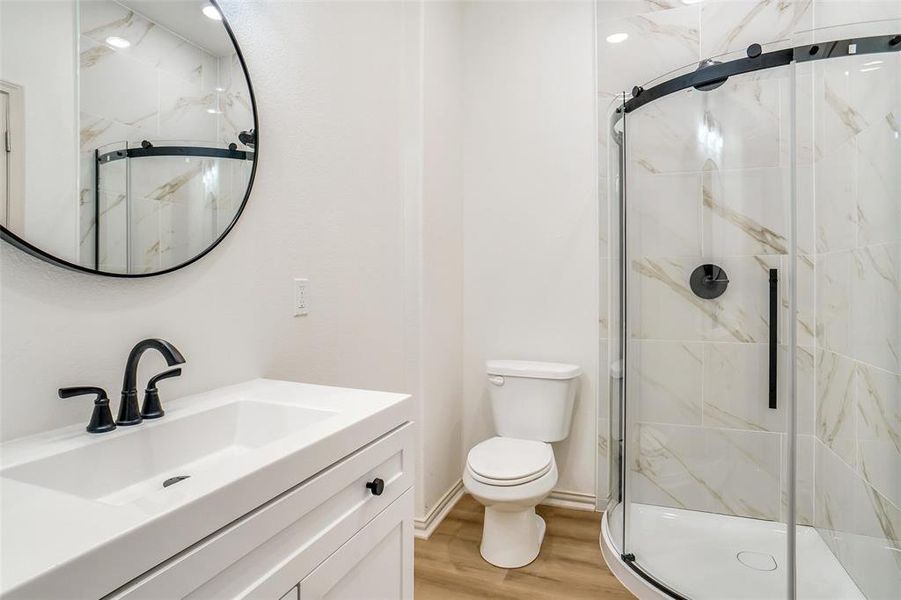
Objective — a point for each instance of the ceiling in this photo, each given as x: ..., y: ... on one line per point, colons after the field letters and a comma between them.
x: 185, y: 18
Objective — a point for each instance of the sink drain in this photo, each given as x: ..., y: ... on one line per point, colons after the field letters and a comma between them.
x: 174, y: 480
x: 757, y: 560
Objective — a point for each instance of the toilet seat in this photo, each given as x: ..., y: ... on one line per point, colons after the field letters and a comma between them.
x: 501, y: 461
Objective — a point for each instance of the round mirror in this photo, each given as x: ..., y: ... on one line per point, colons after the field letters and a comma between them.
x: 130, y: 132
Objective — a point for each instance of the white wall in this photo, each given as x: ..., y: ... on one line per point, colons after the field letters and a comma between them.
x: 530, y: 215
x: 338, y: 198
x: 442, y: 250
x: 38, y: 53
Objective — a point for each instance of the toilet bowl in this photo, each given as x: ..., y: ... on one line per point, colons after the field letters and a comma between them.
x: 511, y: 473
x: 510, y: 477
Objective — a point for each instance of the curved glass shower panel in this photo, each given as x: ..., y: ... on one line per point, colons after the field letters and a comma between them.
x: 168, y: 202
x: 849, y: 232
x: 707, y: 399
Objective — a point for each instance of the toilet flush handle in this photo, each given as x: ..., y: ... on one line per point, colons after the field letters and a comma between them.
x: 496, y: 380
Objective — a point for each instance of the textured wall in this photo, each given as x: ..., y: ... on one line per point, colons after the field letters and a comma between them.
x: 530, y: 209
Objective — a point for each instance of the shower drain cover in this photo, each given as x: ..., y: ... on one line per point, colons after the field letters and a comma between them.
x: 757, y: 560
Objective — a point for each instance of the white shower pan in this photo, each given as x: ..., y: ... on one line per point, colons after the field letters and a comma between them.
x: 707, y: 556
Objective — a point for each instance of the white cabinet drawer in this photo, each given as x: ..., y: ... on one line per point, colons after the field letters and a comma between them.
x: 266, y: 552
x: 375, y: 564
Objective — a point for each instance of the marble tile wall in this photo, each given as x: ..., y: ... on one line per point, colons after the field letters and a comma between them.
x: 162, y: 211
x: 856, y: 184
x: 709, y: 178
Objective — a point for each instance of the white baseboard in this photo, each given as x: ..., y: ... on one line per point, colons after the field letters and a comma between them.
x: 423, y: 528
x: 573, y: 500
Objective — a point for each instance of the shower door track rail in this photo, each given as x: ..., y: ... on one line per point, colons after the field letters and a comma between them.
x: 715, y: 73
x: 108, y: 157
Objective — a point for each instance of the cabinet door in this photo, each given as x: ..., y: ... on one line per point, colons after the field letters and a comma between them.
x: 376, y: 564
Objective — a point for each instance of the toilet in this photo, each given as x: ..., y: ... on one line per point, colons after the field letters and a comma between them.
x: 532, y: 404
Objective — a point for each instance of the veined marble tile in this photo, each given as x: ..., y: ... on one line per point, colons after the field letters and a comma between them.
x: 602, y: 486
x: 747, y: 121
x: 805, y: 275
x: 835, y: 183
x: 879, y: 180
x: 113, y: 232
x: 664, y: 213
x: 132, y: 100
x: 736, y: 388
x: 879, y: 429
x: 876, y: 306
x: 670, y: 134
x: 746, y: 212
x: 151, y: 44
x: 804, y: 476
x: 98, y: 131
x: 185, y: 111
x: 666, y: 307
x: 658, y: 42
x: 833, y: 301
x: 667, y: 381
x: 859, y: 525
x: 618, y: 9
x: 836, y: 408
x: 727, y: 472
x: 604, y: 299
x: 234, y: 101
x: 730, y: 25
x: 839, y: 118
x: 834, y: 13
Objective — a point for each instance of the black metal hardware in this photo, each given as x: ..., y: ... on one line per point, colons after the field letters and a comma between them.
x: 376, y: 486
x: 174, y: 480
x: 774, y: 334
x: 754, y: 50
x: 711, y: 85
x: 248, y: 138
x: 721, y: 71
x: 151, y: 150
x: 129, y: 413
x: 151, y: 408
x: 102, y: 416
x: 709, y: 281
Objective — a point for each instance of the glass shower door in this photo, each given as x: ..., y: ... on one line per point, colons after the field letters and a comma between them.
x: 849, y: 170
x: 707, y: 233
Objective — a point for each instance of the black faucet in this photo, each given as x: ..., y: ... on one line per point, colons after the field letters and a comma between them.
x: 129, y: 412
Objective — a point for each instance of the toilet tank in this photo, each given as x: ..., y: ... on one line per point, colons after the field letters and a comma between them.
x: 532, y: 400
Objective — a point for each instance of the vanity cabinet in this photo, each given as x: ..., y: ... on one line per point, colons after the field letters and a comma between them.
x: 330, y: 536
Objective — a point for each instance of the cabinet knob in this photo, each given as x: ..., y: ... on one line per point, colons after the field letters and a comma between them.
x: 376, y: 486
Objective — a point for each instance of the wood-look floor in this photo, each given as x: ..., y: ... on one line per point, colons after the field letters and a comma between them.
x: 570, y: 565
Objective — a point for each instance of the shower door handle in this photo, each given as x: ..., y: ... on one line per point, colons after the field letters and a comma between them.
x: 774, y: 328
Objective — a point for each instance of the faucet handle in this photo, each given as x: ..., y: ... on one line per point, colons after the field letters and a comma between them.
x: 102, y: 417
x: 152, y: 409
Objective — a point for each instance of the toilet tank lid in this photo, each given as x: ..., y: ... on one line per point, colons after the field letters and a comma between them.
x: 528, y: 368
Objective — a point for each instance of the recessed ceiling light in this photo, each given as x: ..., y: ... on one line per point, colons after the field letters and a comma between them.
x: 868, y: 69
x: 617, y: 38
x: 210, y: 12
x: 872, y: 62
x: 117, y: 42
x: 213, y: 111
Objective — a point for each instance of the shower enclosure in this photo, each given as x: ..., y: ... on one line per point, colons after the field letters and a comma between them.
x: 756, y: 308
x: 158, y: 205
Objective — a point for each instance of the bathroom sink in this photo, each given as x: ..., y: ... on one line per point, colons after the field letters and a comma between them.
x: 149, y: 459
x: 76, y: 503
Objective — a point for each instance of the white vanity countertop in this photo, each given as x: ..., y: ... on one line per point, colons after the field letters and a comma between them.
x: 99, y: 531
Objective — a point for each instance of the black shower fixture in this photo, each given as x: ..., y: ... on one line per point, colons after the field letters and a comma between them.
x: 709, y: 281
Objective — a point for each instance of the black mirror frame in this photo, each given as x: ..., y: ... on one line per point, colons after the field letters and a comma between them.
x: 33, y: 250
